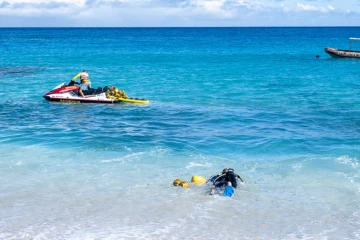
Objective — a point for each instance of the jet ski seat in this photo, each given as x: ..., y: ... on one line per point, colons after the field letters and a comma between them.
x: 94, y: 91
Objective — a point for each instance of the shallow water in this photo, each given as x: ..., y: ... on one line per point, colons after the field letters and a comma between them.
x: 254, y: 99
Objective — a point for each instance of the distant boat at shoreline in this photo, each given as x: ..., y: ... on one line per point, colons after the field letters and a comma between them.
x: 338, y: 53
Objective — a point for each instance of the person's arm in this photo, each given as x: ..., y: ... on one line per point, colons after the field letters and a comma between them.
x: 232, y: 179
x: 238, y: 176
x: 75, y: 77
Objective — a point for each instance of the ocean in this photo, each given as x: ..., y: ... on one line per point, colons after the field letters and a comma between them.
x: 257, y: 100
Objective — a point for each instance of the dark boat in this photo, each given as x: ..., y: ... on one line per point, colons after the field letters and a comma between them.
x: 338, y: 53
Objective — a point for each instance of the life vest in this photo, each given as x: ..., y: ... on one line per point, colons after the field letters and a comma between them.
x: 84, y: 77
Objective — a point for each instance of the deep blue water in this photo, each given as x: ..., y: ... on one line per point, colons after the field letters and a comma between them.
x: 255, y: 99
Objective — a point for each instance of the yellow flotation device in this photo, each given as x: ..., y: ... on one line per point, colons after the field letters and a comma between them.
x: 84, y: 80
x: 185, y: 184
x: 177, y: 182
x: 198, y: 179
x: 120, y: 95
x: 181, y: 183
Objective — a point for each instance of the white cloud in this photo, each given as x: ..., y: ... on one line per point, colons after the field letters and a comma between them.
x: 285, y: 8
x: 250, y: 4
x: 213, y: 7
x: 307, y: 7
x: 70, y: 2
x: 174, y: 13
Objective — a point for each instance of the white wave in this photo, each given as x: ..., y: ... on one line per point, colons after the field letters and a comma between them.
x: 198, y: 164
x: 125, y: 159
x: 353, y: 162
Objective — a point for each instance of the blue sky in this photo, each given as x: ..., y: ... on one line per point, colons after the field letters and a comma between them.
x: 166, y: 13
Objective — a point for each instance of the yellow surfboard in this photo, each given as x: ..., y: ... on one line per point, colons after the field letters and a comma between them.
x: 134, y: 100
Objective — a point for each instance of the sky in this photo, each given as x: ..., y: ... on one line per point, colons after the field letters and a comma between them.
x: 178, y: 13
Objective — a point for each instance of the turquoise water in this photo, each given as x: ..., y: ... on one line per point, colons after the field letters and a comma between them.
x: 254, y: 99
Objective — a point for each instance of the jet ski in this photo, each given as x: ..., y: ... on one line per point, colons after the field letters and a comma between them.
x: 70, y: 94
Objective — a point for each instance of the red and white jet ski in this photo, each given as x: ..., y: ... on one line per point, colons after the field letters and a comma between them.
x: 70, y: 93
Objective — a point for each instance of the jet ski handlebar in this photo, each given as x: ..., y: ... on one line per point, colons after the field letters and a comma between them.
x: 72, y: 83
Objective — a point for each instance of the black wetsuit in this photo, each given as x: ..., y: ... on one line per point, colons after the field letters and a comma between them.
x: 228, y: 177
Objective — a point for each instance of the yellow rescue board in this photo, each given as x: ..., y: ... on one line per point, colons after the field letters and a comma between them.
x: 134, y: 100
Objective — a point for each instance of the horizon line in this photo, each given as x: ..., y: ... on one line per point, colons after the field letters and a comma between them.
x: 194, y: 27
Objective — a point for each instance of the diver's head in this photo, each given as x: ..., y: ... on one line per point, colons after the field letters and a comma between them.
x: 230, y: 170
x: 225, y: 170
x: 84, y: 70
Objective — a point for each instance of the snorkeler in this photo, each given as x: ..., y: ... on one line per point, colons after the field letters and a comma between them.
x: 224, y: 179
x: 227, y: 175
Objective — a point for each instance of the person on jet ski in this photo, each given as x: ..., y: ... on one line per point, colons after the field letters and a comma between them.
x: 84, y: 80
